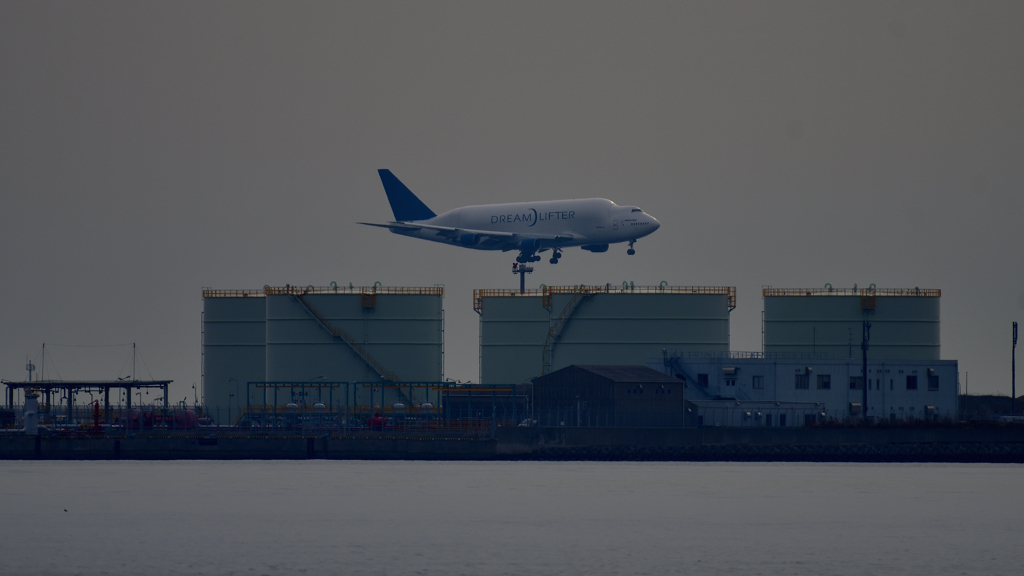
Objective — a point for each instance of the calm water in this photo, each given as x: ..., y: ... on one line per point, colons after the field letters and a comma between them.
x: 324, y: 517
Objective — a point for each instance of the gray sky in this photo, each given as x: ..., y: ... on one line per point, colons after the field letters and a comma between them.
x: 148, y: 150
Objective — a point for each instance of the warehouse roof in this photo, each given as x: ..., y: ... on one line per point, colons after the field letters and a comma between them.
x: 627, y: 374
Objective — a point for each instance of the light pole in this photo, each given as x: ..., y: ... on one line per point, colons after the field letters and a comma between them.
x: 864, y: 360
x: 1013, y: 371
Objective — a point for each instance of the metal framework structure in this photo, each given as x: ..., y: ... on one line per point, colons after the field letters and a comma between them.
x: 71, y: 387
x: 445, y: 405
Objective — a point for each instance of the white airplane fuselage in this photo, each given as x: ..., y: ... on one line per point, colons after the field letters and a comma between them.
x: 529, y: 227
x: 581, y: 222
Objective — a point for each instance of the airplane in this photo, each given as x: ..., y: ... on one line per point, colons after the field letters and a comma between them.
x: 529, y: 227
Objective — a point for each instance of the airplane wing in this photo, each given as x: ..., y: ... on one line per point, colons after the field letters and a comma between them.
x: 392, y: 225
x: 487, y: 237
x: 494, y: 239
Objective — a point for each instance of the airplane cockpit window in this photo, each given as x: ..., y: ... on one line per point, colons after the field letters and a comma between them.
x: 637, y: 210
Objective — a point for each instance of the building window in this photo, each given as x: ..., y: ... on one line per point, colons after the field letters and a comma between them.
x: 702, y: 380
x: 802, y: 382
x: 824, y: 381
x: 782, y: 420
x: 730, y: 381
x: 856, y: 382
x: 911, y: 382
x: 810, y: 419
x: 933, y: 381
x: 758, y: 383
x: 767, y: 419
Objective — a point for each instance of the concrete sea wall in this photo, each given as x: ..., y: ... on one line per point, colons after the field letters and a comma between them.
x: 375, y: 446
x: 766, y: 444
x: 703, y: 444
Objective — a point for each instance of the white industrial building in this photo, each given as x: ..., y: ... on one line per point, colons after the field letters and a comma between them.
x: 751, y: 389
x: 811, y: 365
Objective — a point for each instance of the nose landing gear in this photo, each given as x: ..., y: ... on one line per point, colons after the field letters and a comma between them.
x: 631, y: 251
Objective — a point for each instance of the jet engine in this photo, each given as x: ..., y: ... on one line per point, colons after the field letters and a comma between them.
x: 529, y: 246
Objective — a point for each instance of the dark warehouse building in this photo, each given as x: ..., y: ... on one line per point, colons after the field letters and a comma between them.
x: 618, y: 396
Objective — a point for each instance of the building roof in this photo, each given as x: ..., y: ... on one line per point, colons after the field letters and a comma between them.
x: 627, y: 374
x: 86, y: 384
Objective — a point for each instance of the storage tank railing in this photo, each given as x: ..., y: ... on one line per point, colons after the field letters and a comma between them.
x: 381, y: 290
x: 921, y: 292
x: 546, y: 292
x: 210, y: 293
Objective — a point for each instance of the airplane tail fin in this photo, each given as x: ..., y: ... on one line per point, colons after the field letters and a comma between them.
x: 404, y: 203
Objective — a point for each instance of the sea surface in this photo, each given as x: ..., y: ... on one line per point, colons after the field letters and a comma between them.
x: 358, y: 517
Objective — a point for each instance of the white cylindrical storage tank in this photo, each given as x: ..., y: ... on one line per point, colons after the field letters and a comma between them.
x: 513, y: 327
x: 828, y: 323
x: 371, y: 335
x: 626, y: 327
x: 234, y: 329
x: 523, y: 336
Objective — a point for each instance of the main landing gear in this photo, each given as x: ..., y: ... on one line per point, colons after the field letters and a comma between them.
x: 631, y: 251
x: 524, y: 258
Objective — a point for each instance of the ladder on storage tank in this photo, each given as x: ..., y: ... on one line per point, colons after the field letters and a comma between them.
x: 343, y: 336
x: 559, y: 324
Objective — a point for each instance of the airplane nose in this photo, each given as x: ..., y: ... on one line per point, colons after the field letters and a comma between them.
x: 655, y: 224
